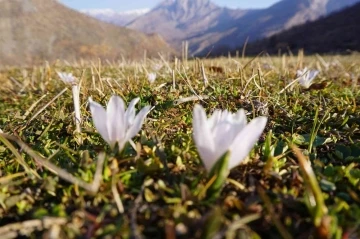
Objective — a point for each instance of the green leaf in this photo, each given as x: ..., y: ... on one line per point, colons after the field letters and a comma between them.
x: 327, y: 186
x: 342, y: 151
x: 280, y: 148
x: 304, y: 139
x: 220, y: 171
x: 212, y: 224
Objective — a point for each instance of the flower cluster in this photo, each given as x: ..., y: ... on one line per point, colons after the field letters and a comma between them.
x: 223, y: 140
x: 222, y: 132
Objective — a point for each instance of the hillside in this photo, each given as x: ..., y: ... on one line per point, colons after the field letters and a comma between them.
x: 35, y: 30
x: 279, y: 17
x: 336, y: 33
x: 210, y: 28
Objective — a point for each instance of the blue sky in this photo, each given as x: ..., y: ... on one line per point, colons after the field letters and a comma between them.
x: 123, y: 5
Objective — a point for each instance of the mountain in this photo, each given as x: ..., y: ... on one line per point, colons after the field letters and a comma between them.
x: 210, y: 28
x: 336, y: 33
x: 279, y: 17
x: 35, y: 30
x: 192, y: 20
x: 114, y: 17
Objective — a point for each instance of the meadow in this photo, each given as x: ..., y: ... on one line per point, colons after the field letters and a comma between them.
x: 300, y: 180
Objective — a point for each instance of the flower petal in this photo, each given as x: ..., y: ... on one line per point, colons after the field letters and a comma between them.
x: 67, y: 78
x: 223, y: 135
x: 214, y: 119
x: 116, y: 119
x: 99, y: 117
x: 313, y: 74
x: 300, y: 73
x: 245, y: 140
x: 138, y: 121
x: 239, y: 120
x: 151, y: 77
x: 130, y: 113
x: 240, y: 117
x: 226, y: 130
x: 203, y: 138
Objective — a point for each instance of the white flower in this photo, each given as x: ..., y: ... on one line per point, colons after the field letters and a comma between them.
x: 306, y: 77
x: 151, y: 77
x: 68, y: 78
x: 157, y: 67
x: 115, y: 124
x: 223, y: 132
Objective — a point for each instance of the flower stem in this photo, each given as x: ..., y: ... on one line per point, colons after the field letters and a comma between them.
x: 76, y: 98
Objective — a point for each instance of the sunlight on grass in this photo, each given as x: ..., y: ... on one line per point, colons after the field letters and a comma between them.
x: 294, y: 175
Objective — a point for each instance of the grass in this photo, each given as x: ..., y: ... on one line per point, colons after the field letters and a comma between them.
x: 301, y: 180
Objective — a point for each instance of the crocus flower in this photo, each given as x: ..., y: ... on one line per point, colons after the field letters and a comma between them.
x: 117, y: 124
x: 68, y: 78
x: 306, y: 77
x: 157, y: 67
x: 151, y: 77
x: 224, y: 132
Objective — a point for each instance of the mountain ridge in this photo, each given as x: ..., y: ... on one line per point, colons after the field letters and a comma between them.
x: 336, y: 33
x: 115, y: 17
x: 217, y: 27
x: 180, y: 20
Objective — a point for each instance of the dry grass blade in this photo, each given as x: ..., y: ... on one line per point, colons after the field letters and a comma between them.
x: 135, y: 233
x: 47, y: 105
x: 34, y: 105
x: 4, y: 180
x: 18, y: 157
x: 18, y: 229
x: 319, y: 208
x: 116, y: 194
x: 241, y: 223
x: 191, y: 98
x: 91, y: 187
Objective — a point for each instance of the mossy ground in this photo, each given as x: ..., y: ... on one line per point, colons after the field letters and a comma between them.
x: 162, y: 182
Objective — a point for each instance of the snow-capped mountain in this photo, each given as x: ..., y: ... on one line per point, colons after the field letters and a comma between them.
x: 115, y: 17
